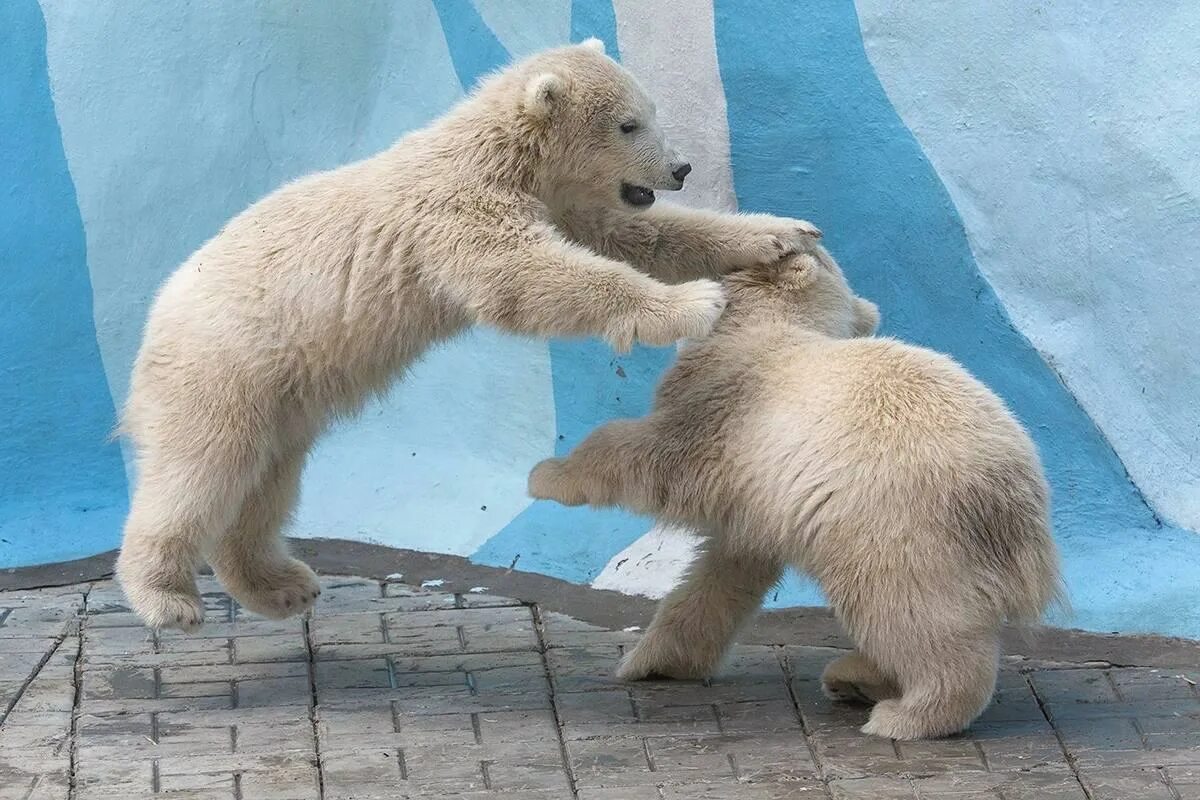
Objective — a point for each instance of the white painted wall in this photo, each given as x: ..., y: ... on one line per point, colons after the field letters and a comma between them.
x: 1068, y: 135
x: 672, y: 49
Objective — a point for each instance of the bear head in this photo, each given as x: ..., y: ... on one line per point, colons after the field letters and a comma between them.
x: 595, y: 127
x: 807, y: 289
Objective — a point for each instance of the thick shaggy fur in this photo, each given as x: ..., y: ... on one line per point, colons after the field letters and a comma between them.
x: 512, y: 210
x: 897, y: 480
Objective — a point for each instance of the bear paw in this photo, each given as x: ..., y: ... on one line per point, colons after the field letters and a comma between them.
x: 548, y: 481
x: 807, y: 229
x: 852, y: 678
x: 646, y: 662
x: 163, y: 609
x: 690, y: 312
x: 278, y: 592
x: 846, y: 692
x: 778, y: 239
x: 892, y: 719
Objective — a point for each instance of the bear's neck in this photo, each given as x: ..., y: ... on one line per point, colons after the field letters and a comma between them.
x: 742, y: 314
x: 491, y: 148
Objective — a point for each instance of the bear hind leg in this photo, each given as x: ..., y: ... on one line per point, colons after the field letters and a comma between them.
x: 182, y: 503
x: 854, y: 678
x: 943, y: 695
x: 250, y: 558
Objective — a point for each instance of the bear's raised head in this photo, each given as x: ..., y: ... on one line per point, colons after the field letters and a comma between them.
x: 807, y: 289
x: 595, y: 126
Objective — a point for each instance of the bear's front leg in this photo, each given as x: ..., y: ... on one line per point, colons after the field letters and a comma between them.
x: 682, y: 311
x: 614, y: 466
x: 758, y: 239
x: 695, y: 624
x: 553, y: 479
x: 549, y: 287
x: 675, y: 243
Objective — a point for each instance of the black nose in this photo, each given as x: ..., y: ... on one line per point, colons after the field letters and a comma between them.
x: 681, y: 172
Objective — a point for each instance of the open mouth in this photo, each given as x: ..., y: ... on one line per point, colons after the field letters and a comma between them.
x: 638, y: 196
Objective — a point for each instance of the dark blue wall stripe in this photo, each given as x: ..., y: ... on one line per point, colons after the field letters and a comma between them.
x: 474, y: 49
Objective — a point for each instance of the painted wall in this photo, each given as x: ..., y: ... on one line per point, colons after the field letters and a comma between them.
x: 1016, y: 186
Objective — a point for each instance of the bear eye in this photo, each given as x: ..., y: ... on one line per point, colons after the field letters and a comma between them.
x: 629, y: 127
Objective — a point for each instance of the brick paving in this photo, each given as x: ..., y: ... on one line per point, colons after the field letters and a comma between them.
x: 391, y: 692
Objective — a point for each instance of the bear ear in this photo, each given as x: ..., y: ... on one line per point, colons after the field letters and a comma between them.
x: 798, y: 271
x: 866, y: 317
x: 543, y: 93
x: 593, y: 44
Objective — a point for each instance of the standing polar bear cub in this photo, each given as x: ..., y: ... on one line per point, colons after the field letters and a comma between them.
x: 883, y: 470
x: 525, y: 207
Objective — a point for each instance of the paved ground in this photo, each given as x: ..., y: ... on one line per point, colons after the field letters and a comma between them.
x: 390, y: 692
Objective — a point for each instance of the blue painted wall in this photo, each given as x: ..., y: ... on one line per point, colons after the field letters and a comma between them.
x: 137, y: 134
x: 62, y: 486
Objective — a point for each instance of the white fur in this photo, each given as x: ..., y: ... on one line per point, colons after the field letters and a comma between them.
x: 508, y: 211
x: 897, y: 480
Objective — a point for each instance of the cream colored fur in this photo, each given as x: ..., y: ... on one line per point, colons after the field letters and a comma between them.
x: 508, y: 211
x: 885, y: 471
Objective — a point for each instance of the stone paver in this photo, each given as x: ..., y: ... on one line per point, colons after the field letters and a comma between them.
x: 390, y: 692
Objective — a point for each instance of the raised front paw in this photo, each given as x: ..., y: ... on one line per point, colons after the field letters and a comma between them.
x: 688, y: 311
x: 548, y: 480
x: 806, y: 228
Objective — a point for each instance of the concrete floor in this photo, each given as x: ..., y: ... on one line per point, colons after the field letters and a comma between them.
x: 396, y: 692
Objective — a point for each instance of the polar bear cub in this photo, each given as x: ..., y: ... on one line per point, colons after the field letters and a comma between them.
x: 527, y: 207
x: 885, y: 471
